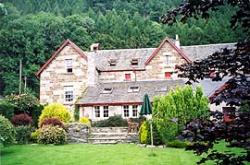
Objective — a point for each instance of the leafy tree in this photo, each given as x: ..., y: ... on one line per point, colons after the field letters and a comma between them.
x: 179, y: 106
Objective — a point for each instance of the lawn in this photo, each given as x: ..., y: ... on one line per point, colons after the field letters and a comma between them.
x: 74, y: 154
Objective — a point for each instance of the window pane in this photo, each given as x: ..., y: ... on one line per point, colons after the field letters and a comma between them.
x: 135, y: 111
x: 97, y: 111
x: 105, y: 111
x: 126, y: 111
x: 69, y: 65
x: 68, y: 93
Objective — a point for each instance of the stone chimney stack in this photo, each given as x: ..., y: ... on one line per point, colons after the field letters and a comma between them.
x: 177, y: 41
x: 92, y: 72
x: 94, y: 47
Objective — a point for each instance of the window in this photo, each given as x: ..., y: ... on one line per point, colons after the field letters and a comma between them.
x: 69, y: 65
x: 168, y: 75
x: 105, y: 111
x: 128, y: 77
x: 107, y: 90
x: 112, y: 62
x: 135, y: 110
x: 168, y: 58
x: 134, y: 61
x: 133, y: 89
x: 126, y: 111
x: 97, y: 111
x: 68, y: 93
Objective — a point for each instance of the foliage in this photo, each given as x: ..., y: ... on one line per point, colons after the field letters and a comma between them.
x: 52, y: 135
x: 178, y: 144
x: 34, y: 136
x: 7, y: 131
x: 85, y: 120
x: 76, y: 113
x: 55, y: 110
x: 233, y: 63
x: 179, y: 106
x: 23, y: 135
x: 26, y: 103
x: 53, y: 121
x: 143, y: 132
x: 157, y: 138
x: 6, y: 109
x: 32, y: 30
x: 21, y: 119
x: 113, y: 121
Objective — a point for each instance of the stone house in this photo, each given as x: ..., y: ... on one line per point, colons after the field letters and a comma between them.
x: 103, y: 83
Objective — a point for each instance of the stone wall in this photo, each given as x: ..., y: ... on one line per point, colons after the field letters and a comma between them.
x: 77, y: 133
x: 55, y: 77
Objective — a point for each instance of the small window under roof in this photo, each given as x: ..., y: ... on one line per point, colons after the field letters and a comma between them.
x: 112, y: 62
x: 107, y: 90
x: 133, y: 89
x: 134, y: 61
x: 162, y: 89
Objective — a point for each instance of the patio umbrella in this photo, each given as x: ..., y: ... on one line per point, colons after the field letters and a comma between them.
x: 146, y: 110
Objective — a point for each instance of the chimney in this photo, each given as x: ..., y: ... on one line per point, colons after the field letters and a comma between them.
x: 177, y: 41
x: 94, y: 47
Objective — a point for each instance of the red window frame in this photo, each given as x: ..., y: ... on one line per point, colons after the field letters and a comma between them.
x: 168, y: 75
x: 128, y: 77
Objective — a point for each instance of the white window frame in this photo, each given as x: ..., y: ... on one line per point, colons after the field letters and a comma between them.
x: 134, y: 108
x: 132, y: 89
x: 126, y: 111
x: 107, y: 90
x: 105, y: 109
x: 68, y: 94
x: 97, y: 111
x: 69, y: 65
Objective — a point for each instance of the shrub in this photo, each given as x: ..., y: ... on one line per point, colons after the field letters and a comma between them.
x: 7, y: 131
x: 85, y: 121
x: 55, y: 110
x: 26, y: 103
x: 23, y: 135
x: 21, y: 119
x: 6, y: 109
x: 52, y: 121
x: 34, y: 136
x: 157, y: 138
x: 178, y: 144
x: 52, y: 135
x: 113, y: 121
x: 143, y: 132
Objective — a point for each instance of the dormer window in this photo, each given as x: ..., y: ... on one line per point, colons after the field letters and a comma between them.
x: 107, y: 90
x: 112, y: 62
x: 133, y: 89
x: 134, y: 61
x: 69, y: 65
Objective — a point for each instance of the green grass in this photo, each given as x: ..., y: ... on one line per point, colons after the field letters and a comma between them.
x: 74, y: 154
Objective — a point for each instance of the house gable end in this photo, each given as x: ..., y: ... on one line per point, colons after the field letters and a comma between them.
x: 55, y: 54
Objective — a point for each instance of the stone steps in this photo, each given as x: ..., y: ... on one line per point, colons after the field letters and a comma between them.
x: 111, y: 135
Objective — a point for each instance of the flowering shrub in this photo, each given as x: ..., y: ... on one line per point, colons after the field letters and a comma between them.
x: 85, y: 121
x: 52, y: 121
x: 21, y: 119
x: 55, y: 110
x: 52, y: 135
x: 7, y: 131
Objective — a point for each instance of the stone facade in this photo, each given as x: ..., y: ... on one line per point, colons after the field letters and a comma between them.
x: 55, y: 78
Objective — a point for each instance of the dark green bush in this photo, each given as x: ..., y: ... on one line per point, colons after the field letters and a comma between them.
x: 178, y: 144
x: 51, y: 135
x: 76, y: 113
x: 6, y: 109
x: 7, y: 131
x: 23, y: 135
x: 113, y: 121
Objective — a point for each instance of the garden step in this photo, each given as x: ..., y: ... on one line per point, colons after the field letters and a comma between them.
x: 112, y: 140
x: 113, y: 135
x: 108, y: 129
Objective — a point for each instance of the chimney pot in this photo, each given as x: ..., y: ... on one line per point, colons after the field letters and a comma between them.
x: 177, y: 41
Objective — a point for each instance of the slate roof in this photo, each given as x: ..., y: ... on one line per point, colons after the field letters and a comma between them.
x: 123, y: 57
x: 120, y: 95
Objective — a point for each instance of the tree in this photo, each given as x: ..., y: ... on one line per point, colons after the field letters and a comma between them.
x: 234, y: 63
x: 179, y: 106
